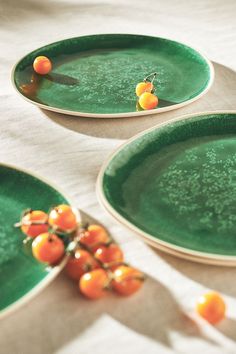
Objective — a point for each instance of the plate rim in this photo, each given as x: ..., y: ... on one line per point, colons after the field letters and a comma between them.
x: 202, y: 257
x: 124, y: 114
x: 56, y: 269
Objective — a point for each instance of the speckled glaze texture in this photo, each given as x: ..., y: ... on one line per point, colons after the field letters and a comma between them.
x: 19, y: 272
x: 178, y: 183
x: 98, y: 73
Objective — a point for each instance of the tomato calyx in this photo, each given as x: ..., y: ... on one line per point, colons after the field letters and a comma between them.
x: 50, y: 237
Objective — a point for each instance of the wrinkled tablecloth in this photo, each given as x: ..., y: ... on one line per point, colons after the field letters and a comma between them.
x: 70, y: 150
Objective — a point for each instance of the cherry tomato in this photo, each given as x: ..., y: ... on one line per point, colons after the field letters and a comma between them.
x: 34, y: 223
x: 127, y: 280
x: 143, y: 87
x: 48, y: 248
x: 80, y: 264
x: 94, y: 284
x: 42, y: 65
x: 63, y: 217
x: 94, y: 236
x: 211, y: 307
x: 109, y: 254
x: 148, y: 100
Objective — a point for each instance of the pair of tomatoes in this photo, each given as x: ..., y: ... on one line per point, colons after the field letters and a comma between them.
x: 123, y: 279
x: 47, y: 246
x: 146, y: 98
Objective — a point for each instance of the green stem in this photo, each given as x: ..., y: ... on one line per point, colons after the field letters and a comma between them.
x: 153, y: 75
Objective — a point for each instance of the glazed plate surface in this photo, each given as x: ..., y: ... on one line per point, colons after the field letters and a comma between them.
x: 175, y: 184
x: 96, y: 75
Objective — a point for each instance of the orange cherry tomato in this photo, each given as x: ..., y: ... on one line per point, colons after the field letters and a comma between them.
x: 109, y: 254
x: 211, y: 307
x: 42, y: 65
x: 148, y: 100
x: 34, y: 223
x: 94, y: 284
x: 127, y: 280
x: 80, y: 264
x: 63, y: 218
x: 94, y: 236
x: 48, y: 248
x: 143, y: 87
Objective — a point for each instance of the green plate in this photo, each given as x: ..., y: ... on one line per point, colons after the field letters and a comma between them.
x: 96, y: 75
x: 21, y: 276
x: 175, y: 184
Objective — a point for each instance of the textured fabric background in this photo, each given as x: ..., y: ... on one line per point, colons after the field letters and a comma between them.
x: 70, y: 151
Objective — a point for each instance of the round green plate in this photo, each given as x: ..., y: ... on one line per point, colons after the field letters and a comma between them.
x: 96, y: 75
x: 21, y: 276
x: 175, y: 184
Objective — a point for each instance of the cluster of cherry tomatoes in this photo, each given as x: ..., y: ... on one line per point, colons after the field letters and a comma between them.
x: 95, y: 262
x: 145, y: 93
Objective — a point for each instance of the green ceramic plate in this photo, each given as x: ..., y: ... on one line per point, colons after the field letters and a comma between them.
x: 21, y: 277
x: 175, y: 184
x: 95, y: 76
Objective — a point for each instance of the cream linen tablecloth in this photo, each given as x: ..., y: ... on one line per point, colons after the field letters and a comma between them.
x: 69, y: 151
